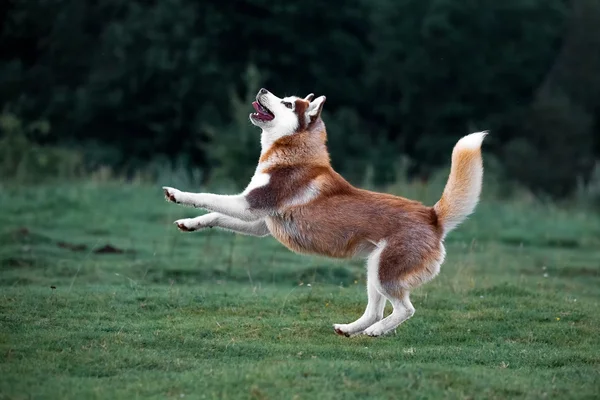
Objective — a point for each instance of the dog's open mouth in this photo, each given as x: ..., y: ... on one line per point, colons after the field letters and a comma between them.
x: 262, y: 113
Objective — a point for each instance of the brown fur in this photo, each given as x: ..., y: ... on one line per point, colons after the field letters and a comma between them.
x: 305, y: 147
x: 285, y: 181
x: 342, y: 221
x: 300, y: 109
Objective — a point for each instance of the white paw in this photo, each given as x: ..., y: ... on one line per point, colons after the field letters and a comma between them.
x: 194, y: 224
x: 346, y: 330
x: 341, y: 329
x: 374, y: 330
x: 186, y: 225
x: 172, y: 195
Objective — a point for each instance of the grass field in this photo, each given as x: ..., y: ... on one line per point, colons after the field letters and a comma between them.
x: 101, y: 297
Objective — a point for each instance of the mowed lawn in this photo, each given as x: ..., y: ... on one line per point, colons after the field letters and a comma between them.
x: 102, y: 297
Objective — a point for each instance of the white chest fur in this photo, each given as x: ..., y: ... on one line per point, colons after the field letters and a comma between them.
x: 259, y: 179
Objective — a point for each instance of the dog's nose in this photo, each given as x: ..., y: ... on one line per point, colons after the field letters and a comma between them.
x: 263, y: 91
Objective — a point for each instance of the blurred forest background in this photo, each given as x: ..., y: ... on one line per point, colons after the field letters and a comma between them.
x: 138, y: 88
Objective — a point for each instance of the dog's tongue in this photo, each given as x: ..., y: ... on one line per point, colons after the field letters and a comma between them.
x: 261, y: 110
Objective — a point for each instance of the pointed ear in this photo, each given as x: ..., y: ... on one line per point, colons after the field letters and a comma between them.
x: 315, y: 107
x: 310, y: 97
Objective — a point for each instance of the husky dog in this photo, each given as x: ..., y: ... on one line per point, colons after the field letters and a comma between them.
x: 297, y: 197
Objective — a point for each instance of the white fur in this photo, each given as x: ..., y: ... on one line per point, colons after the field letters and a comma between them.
x: 314, y: 106
x: 291, y: 99
x: 285, y: 122
x: 258, y: 180
x: 252, y: 228
x: 472, y: 141
x: 234, y: 205
x: 403, y: 310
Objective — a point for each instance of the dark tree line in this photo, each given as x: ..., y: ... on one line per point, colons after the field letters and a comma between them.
x: 130, y: 81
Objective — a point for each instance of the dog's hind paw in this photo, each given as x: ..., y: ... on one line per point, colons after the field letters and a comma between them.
x: 338, y: 328
x: 376, y: 330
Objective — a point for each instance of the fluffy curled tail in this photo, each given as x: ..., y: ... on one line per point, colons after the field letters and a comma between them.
x: 462, y: 190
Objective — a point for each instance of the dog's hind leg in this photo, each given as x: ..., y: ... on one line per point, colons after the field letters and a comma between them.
x: 403, y: 310
x: 376, y: 301
x: 401, y: 268
x: 372, y: 314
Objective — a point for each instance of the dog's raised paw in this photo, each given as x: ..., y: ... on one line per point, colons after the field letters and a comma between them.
x: 170, y: 194
x: 183, y: 226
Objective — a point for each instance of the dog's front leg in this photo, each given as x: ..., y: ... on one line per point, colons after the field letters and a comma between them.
x: 216, y: 220
x: 235, y: 206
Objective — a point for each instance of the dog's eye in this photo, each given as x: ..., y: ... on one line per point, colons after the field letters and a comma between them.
x: 287, y: 104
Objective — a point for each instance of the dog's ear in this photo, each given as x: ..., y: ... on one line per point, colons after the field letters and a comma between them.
x: 315, y: 107
x: 310, y: 97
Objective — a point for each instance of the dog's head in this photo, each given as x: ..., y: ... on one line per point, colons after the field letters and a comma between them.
x: 282, y: 117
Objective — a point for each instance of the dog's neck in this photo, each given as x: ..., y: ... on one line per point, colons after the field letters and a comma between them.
x: 306, y: 147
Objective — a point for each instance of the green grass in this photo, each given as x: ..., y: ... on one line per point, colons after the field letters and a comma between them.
x: 513, y: 314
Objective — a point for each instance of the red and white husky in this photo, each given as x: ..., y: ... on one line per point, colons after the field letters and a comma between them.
x: 298, y: 198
